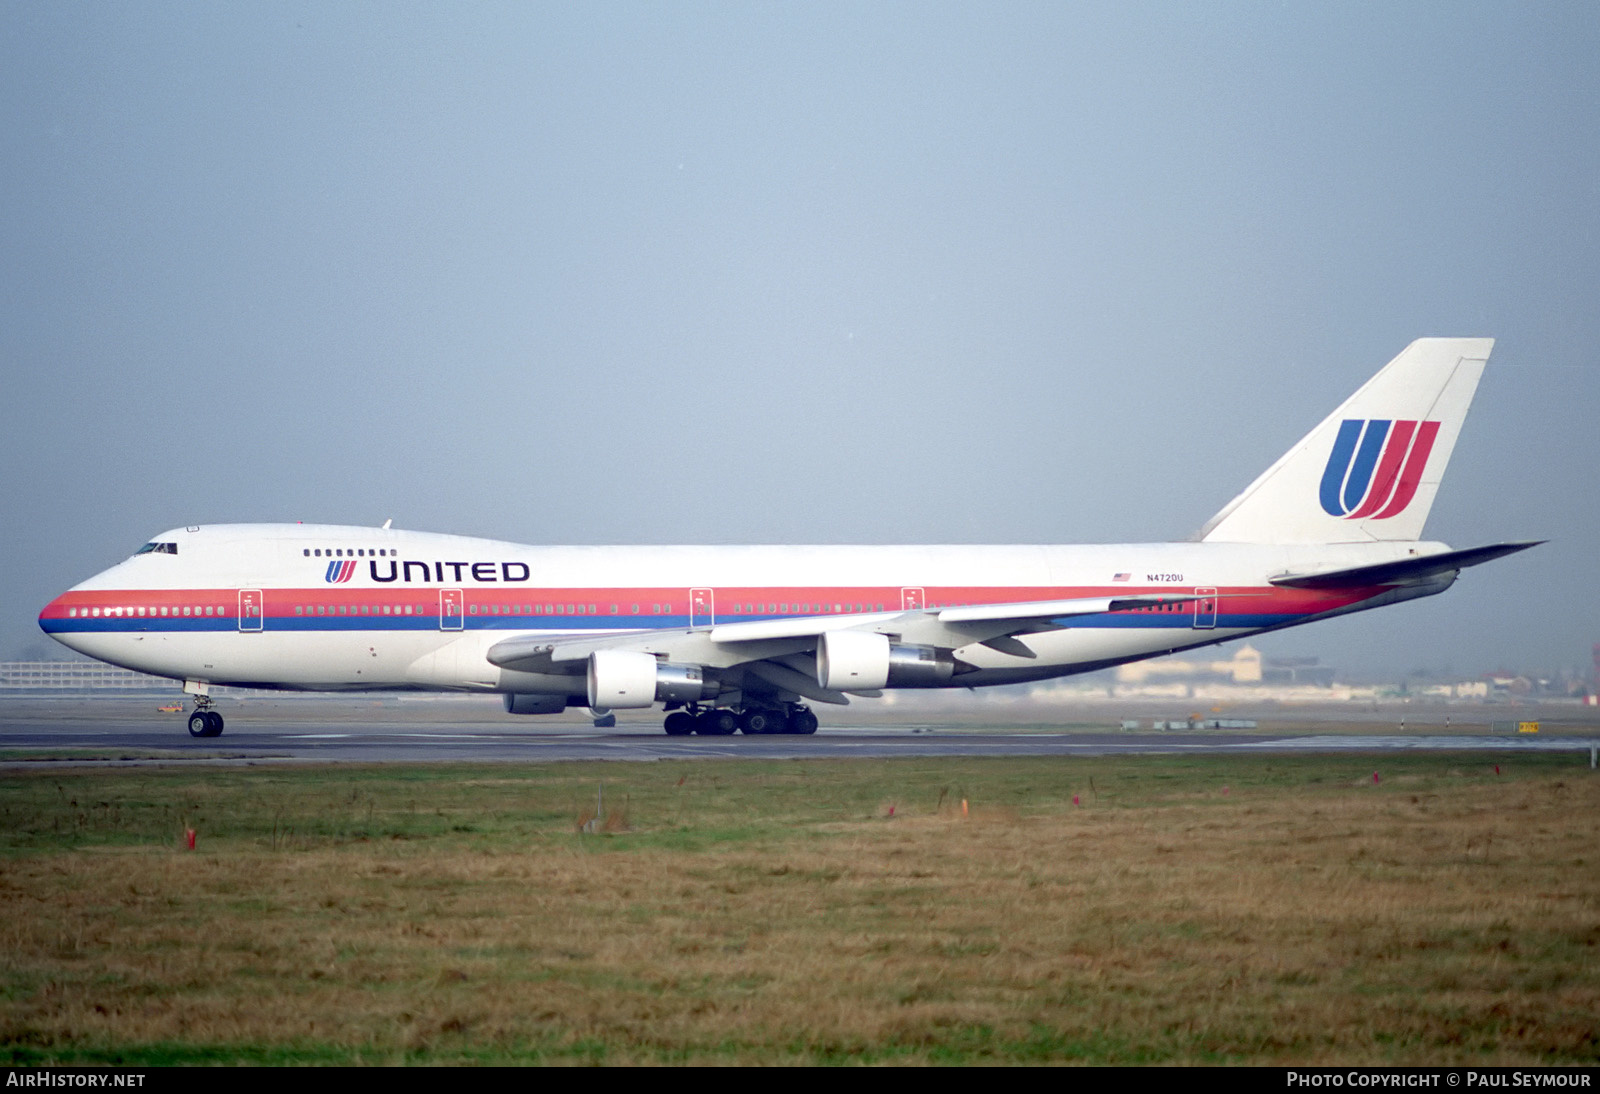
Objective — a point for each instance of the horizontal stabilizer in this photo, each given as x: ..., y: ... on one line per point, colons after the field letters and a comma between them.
x: 1406, y: 569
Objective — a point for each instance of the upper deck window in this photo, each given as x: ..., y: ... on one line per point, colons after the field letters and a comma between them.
x: 158, y: 549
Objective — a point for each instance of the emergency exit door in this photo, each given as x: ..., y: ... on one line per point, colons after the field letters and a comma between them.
x: 702, y: 608
x: 452, y: 613
x: 250, y: 610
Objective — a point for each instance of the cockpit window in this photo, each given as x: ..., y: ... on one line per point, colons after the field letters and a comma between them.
x: 158, y: 549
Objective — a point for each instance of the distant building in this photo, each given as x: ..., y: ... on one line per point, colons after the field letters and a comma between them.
x: 1244, y: 667
x: 1298, y: 671
x: 76, y: 676
x: 1507, y: 686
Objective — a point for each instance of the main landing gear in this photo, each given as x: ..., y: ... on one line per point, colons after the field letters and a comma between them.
x: 205, y: 722
x: 715, y: 722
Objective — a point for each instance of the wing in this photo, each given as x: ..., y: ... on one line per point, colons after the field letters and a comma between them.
x: 783, y: 652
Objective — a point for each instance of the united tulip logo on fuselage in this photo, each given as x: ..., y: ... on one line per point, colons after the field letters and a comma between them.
x: 1375, y: 467
x: 339, y: 572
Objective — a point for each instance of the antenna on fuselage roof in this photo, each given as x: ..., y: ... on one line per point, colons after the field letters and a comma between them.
x: 387, y: 523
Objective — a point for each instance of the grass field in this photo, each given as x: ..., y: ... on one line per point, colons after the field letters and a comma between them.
x: 1238, y: 909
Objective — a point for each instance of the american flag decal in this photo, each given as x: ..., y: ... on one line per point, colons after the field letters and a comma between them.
x: 1120, y: 577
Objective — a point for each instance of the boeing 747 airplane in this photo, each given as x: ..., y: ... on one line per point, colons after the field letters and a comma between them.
x: 740, y: 638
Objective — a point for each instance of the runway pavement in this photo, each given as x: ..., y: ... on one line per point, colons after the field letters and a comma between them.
x: 30, y: 733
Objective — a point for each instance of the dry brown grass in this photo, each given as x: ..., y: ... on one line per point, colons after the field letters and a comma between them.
x: 775, y: 913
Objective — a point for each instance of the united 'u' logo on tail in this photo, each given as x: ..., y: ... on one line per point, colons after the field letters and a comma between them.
x: 339, y: 572
x: 1375, y: 467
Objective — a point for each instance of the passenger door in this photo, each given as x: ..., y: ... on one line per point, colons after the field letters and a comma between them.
x: 251, y: 615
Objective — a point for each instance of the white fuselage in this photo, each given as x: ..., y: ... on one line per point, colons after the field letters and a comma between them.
x: 333, y: 607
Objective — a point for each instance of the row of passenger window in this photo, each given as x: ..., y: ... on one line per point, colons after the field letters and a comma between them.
x: 777, y: 608
x: 559, y: 609
x: 782, y: 608
x: 141, y: 612
x: 473, y: 609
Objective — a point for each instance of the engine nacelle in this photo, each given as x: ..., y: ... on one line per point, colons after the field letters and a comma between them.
x: 853, y: 660
x: 624, y: 679
x: 524, y: 703
x: 621, y: 679
x: 862, y: 661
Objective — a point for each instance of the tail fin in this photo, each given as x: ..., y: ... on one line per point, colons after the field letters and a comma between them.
x: 1371, y: 469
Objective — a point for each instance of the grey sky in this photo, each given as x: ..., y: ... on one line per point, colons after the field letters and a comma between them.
x: 793, y: 273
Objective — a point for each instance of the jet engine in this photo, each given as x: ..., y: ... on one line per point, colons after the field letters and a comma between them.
x: 862, y: 661
x: 620, y: 679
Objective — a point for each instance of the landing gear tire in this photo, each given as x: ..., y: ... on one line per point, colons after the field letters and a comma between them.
x: 759, y: 722
x: 716, y: 723
x: 205, y: 723
x: 803, y: 721
x: 680, y: 723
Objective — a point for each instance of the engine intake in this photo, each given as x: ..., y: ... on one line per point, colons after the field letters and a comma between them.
x: 624, y: 679
x: 862, y: 661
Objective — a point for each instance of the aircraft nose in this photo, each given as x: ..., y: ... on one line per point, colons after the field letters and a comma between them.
x: 56, y: 619
x: 51, y: 612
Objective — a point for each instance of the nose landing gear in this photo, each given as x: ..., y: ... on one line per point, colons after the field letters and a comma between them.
x: 204, y: 722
